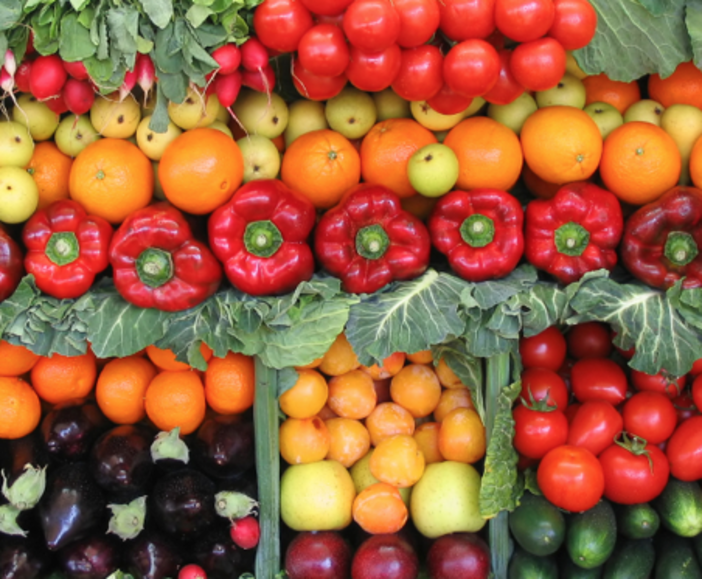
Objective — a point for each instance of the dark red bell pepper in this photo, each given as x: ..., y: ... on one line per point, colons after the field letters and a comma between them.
x: 368, y: 240
x: 11, y: 269
x: 158, y: 264
x: 261, y: 235
x: 480, y: 231
x: 662, y: 240
x: 66, y: 248
x: 574, y: 232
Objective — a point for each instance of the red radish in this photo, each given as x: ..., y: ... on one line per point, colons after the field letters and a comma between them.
x: 228, y: 57
x: 262, y: 81
x: 57, y: 104
x: 22, y: 76
x: 7, y: 83
x: 145, y: 73
x: 30, y: 43
x: 130, y: 79
x: 76, y: 69
x: 10, y: 64
x: 47, y: 77
x: 192, y: 571
x: 245, y: 532
x: 78, y: 96
x: 254, y: 55
x: 227, y: 87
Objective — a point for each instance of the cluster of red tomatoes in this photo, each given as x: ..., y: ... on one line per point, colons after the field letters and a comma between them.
x: 597, y: 429
x: 445, y: 52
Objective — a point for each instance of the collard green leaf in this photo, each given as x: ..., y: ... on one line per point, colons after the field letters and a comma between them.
x: 184, y: 331
x: 655, y: 7
x: 693, y: 23
x: 407, y: 317
x: 22, y: 298
x: 74, y: 41
x: 287, y: 377
x: 488, y: 294
x: 491, y: 332
x: 159, y: 12
x: 469, y: 369
x: 544, y: 305
x: 10, y: 13
x: 688, y: 303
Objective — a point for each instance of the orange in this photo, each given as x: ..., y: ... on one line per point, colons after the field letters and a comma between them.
x: 561, y: 144
x: 462, y: 436
x: 684, y: 86
x: 349, y: 440
x: 304, y: 440
x: 165, y: 359
x: 352, y: 395
x: 15, y: 360
x: 397, y: 461
x: 200, y: 170
x: 313, y: 364
x: 322, y: 165
x: 421, y: 357
x: 340, y: 358
x: 450, y: 400
x: 379, y: 509
x: 695, y: 165
x: 417, y: 389
x: 419, y: 205
x: 327, y: 413
x: 390, y: 366
x: 62, y: 378
x: 537, y: 186
x: 307, y: 397
x: 601, y: 88
x: 176, y: 399
x: 230, y: 383
x: 489, y: 154
x: 640, y: 162
x: 386, y: 150
x: 121, y: 387
x: 388, y: 419
x: 111, y: 178
x: 427, y: 437
x: 20, y: 409
x: 447, y: 377
x: 51, y: 170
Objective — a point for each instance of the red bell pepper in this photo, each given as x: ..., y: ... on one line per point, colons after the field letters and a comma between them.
x: 368, y: 240
x: 662, y: 240
x: 66, y: 248
x: 574, y: 232
x: 158, y: 264
x: 260, y: 236
x: 480, y: 231
x: 11, y: 269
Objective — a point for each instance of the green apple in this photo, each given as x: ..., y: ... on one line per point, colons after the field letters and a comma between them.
x: 432, y: 119
x: 569, y: 92
x: 261, y: 157
x: 445, y: 500
x: 74, y: 134
x: 115, y: 118
x: 36, y: 115
x: 151, y: 143
x: 684, y: 124
x: 606, y: 117
x: 261, y: 114
x: 196, y: 110
x: 317, y: 496
x: 352, y: 113
x: 433, y: 170
x: 475, y: 106
x: 515, y: 114
x: 390, y: 105
x: 363, y: 477
x: 16, y: 145
x: 19, y: 194
x: 646, y: 110
x: 223, y: 127
x: 304, y: 117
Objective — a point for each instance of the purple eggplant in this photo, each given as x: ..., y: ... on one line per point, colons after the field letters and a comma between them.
x: 17, y: 453
x: 23, y: 558
x: 224, y: 447
x: 70, y: 429
x: 120, y: 460
x: 94, y: 557
x: 182, y: 503
x: 217, y: 554
x: 72, y: 506
x: 152, y: 555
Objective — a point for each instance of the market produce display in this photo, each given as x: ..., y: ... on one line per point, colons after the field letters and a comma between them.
x: 423, y: 260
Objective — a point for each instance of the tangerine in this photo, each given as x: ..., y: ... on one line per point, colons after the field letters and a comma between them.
x: 230, y: 383
x: 121, y: 388
x: 59, y: 378
x: 51, y: 170
x: 20, y: 408
x: 379, y: 508
x: 15, y: 360
x: 176, y: 399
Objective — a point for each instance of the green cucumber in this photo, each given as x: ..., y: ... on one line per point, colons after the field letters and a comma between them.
x: 569, y: 570
x: 524, y: 565
x: 537, y: 525
x: 680, y: 507
x: 637, y: 521
x: 591, y: 535
x: 675, y: 558
x: 632, y: 559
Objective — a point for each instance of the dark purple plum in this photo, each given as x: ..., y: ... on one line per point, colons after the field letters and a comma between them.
x: 217, y: 554
x: 23, y: 558
x: 224, y: 447
x: 459, y: 556
x: 17, y: 453
x: 318, y: 555
x: 387, y: 556
x: 94, y: 557
x: 69, y: 429
x: 152, y: 555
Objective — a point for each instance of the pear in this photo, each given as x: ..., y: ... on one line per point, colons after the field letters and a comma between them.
x: 220, y: 126
x: 16, y: 145
x: 153, y: 144
x: 352, y: 113
x: 569, y: 92
x: 115, y: 118
x: 606, y: 116
x: 515, y: 114
x: 196, y: 110
x: 390, y: 105
x: 646, y: 110
x: 304, y: 117
x: 432, y: 119
x: 684, y: 124
x: 36, y: 115
x: 261, y: 158
x: 261, y: 114
x: 74, y: 134
x: 19, y: 194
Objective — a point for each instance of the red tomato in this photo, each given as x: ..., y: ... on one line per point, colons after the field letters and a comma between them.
x: 472, y: 67
x: 280, y: 24
x: 598, y: 379
x: 448, y: 102
x: 326, y: 7
x: 571, y: 478
x: 419, y: 20
x: 371, y: 25
x: 535, y: 432
x: 696, y: 368
x: 538, y: 65
x: 651, y: 416
x: 570, y: 412
x: 464, y: 19
x: 420, y: 76
x: 524, y: 20
x: 314, y: 87
x: 574, y: 23
x: 685, y: 406
x: 634, y: 477
x: 684, y: 450
x: 661, y: 382
x: 589, y: 340
x: 540, y: 383
x: 323, y: 50
x: 506, y: 89
x: 524, y: 462
x: 697, y: 392
x: 374, y: 71
x: 595, y: 426
x: 544, y: 350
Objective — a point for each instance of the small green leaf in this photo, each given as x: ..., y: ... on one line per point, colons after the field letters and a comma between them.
x: 124, y: 28
x: 86, y: 17
x: 159, y: 11
x: 160, y: 119
x: 79, y: 5
x: 74, y: 40
x: 10, y: 13
x: 174, y: 86
x: 99, y: 70
x: 198, y: 14
x: 144, y: 46
x: 210, y: 35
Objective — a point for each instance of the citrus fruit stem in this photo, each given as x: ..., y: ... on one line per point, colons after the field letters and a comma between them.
x: 262, y: 238
x: 154, y: 267
x: 372, y: 242
x: 680, y: 248
x: 63, y: 248
x: 478, y: 230
x: 571, y: 239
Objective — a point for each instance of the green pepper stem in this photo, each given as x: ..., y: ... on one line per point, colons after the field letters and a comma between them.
x: 154, y: 267
x: 571, y: 239
x: 372, y: 242
x: 63, y: 248
x: 680, y: 248
x: 262, y: 238
x: 478, y: 230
